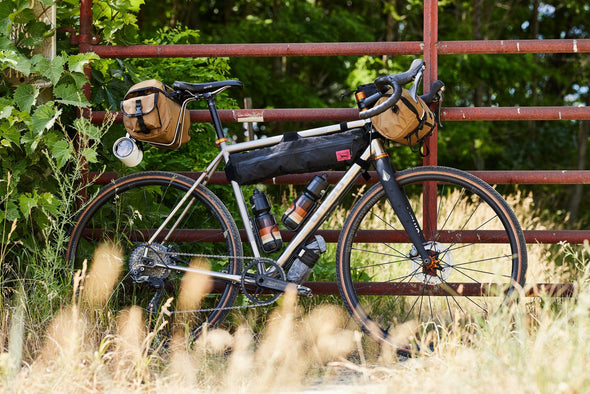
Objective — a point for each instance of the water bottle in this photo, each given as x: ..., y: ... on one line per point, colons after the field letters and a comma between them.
x: 305, y: 202
x: 269, y: 236
x: 306, y: 260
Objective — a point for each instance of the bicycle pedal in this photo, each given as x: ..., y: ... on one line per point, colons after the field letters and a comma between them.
x: 303, y: 291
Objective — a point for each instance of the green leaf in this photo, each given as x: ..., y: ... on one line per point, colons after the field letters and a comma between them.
x: 20, y: 5
x: 49, y: 203
x: 35, y: 32
x: 30, y: 140
x: 79, y: 79
x: 25, y: 96
x: 6, y: 8
x: 16, y: 61
x: 53, y: 71
x: 11, y: 211
x: 6, y: 112
x: 27, y: 202
x: 23, y: 16
x: 69, y: 94
x: 83, y: 126
x: 9, y: 134
x: 76, y: 63
x: 61, y: 151
x: 90, y: 155
x: 44, y: 117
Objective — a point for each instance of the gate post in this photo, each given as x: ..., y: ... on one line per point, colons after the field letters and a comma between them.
x: 430, y: 34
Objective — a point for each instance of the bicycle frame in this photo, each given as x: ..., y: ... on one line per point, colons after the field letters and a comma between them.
x: 374, y: 151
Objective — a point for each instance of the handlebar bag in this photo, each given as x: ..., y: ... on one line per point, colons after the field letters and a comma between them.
x: 151, y: 114
x: 296, y: 155
x: 407, y: 122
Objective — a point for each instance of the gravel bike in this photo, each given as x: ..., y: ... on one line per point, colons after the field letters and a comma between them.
x: 425, y: 243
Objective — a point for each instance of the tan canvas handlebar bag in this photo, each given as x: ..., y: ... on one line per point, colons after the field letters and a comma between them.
x: 407, y: 122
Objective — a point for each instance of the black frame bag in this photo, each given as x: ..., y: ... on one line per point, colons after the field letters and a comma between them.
x: 295, y: 155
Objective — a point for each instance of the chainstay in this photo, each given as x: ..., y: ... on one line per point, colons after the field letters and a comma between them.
x: 233, y: 307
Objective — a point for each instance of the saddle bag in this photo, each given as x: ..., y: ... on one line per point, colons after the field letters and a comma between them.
x: 296, y: 155
x: 153, y: 115
x: 407, y: 122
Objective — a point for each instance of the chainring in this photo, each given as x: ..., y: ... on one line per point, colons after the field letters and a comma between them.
x: 256, y: 293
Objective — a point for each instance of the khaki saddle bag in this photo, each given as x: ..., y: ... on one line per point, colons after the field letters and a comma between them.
x: 151, y: 114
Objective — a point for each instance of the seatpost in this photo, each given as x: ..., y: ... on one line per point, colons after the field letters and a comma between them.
x: 214, y: 116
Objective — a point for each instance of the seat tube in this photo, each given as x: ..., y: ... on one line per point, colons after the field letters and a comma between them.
x: 398, y: 199
x: 240, y: 200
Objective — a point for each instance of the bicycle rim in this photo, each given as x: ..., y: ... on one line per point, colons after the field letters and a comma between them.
x: 478, y: 248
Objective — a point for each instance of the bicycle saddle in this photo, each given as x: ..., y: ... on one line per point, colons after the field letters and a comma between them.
x: 205, y: 87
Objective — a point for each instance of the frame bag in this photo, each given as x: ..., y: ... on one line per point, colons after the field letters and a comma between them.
x: 295, y: 155
x: 407, y: 122
x: 152, y: 114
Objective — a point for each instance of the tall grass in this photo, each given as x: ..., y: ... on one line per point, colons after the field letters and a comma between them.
x: 522, y: 349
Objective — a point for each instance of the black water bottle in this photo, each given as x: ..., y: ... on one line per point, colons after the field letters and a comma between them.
x: 269, y: 236
x: 305, y: 202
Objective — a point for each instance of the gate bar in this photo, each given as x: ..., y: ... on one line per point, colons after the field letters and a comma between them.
x: 349, y: 114
x: 478, y: 47
x: 495, y: 47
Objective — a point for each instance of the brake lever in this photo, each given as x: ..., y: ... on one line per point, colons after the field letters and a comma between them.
x: 414, y: 87
x: 439, y: 98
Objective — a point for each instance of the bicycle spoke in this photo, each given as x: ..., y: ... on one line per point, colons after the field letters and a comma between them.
x: 469, y: 298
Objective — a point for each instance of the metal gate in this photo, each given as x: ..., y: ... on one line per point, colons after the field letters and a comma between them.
x: 430, y: 48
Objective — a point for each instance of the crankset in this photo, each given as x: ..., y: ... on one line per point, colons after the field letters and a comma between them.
x: 264, y: 281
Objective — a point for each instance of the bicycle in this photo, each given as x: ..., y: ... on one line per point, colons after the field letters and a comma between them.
x: 469, y: 256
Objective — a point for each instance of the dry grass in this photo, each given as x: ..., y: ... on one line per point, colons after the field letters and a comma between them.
x: 514, y: 351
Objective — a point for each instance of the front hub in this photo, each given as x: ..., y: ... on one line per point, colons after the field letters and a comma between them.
x: 438, y: 268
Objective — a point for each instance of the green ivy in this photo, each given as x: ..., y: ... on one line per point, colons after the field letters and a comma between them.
x: 43, y: 150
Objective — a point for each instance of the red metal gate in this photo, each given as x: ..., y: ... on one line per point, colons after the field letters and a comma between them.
x: 430, y: 48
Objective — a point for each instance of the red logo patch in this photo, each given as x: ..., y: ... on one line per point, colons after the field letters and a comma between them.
x: 343, y: 155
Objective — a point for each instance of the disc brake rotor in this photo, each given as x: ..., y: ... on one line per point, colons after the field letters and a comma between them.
x: 439, y: 268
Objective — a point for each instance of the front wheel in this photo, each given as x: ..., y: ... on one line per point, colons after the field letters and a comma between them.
x: 477, y: 248
x: 126, y: 213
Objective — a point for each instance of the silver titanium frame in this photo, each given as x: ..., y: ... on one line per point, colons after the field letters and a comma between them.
x: 323, y: 210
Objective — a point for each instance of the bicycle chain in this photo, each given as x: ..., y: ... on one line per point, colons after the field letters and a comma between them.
x: 233, y: 307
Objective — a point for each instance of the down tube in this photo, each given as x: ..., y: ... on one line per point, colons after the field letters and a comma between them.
x: 323, y: 211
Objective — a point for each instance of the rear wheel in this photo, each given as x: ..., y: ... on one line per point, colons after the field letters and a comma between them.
x: 124, y: 215
x: 477, y: 248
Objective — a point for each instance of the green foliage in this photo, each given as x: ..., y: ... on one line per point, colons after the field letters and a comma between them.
x: 42, y: 155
